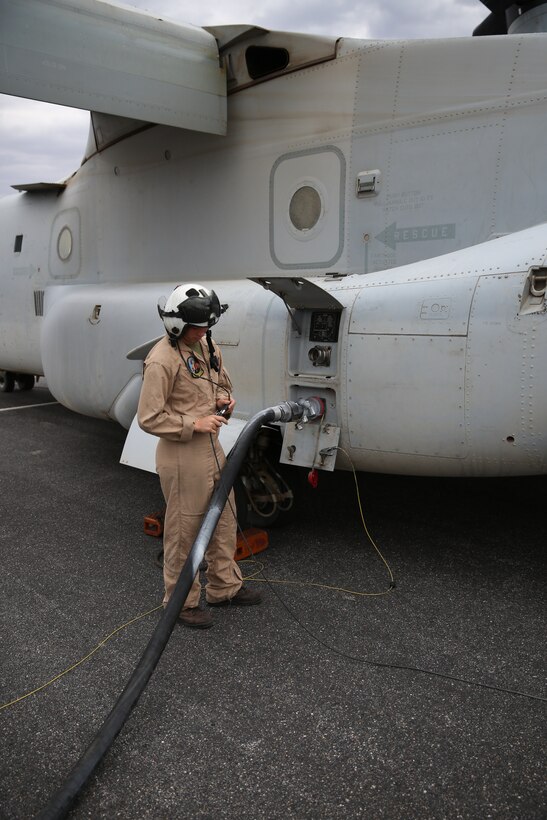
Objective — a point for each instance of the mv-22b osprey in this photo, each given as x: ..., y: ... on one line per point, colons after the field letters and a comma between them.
x: 373, y: 212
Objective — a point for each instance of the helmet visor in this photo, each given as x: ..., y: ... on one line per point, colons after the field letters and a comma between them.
x: 201, y: 311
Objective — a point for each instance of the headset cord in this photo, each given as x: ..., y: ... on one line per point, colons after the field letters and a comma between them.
x: 213, y: 358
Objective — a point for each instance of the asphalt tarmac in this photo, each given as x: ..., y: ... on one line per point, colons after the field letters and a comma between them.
x: 321, y: 703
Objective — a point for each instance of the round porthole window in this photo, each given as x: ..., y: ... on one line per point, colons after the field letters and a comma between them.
x: 305, y: 208
x: 64, y: 244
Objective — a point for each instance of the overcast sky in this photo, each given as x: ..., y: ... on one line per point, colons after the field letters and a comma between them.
x: 45, y: 143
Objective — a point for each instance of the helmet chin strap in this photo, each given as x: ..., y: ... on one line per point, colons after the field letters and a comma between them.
x: 213, y: 358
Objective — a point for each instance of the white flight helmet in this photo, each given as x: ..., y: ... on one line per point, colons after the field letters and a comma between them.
x: 190, y: 304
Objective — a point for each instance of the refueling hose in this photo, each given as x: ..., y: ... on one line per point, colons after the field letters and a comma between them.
x: 60, y: 802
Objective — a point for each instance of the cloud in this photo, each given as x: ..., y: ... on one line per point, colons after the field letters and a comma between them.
x: 381, y: 19
x: 41, y: 142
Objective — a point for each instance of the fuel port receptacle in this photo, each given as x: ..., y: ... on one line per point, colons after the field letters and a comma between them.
x: 320, y: 355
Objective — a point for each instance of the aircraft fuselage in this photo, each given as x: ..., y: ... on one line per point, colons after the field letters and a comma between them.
x: 376, y: 171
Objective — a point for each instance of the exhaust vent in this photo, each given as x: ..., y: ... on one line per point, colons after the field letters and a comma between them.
x: 264, y: 60
x: 39, y: 302
x: 533, y: 299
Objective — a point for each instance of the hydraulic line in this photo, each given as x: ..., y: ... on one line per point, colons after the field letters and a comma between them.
x: 60, y: 802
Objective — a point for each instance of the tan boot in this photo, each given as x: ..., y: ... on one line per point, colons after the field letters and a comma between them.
x: 196, y: 618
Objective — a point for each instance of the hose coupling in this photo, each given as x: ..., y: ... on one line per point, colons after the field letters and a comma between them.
x: 287, y: 411
x: 305, y: 409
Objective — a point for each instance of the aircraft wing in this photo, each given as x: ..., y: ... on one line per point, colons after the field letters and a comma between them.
x: 93, y: 55
x: 142, y: 351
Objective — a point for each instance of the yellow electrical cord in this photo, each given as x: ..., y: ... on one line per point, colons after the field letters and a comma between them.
x: 303, y: 583
x: 74, y: 665
x: 265, y: 580
x: 370, y: 538
x: 247, y: 578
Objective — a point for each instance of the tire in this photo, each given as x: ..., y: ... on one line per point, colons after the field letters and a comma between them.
x: 7, y: 381
x: 249, y: 517
x: 246, y: 516
x: 25, y: 381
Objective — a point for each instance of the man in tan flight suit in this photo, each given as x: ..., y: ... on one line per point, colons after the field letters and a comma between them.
x: 184, y: 387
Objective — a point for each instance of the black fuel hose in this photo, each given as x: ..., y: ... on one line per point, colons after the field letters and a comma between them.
x: 59, y: 804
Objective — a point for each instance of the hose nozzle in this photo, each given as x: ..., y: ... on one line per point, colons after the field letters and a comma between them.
x: 305, y: 409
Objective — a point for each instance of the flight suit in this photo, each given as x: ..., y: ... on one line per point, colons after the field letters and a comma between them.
x: 179, y: 387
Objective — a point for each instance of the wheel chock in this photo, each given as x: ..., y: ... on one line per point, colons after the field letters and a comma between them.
x: 249, y: 542
x: 153, y: 524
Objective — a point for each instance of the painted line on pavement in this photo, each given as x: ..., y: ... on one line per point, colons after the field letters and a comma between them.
x: 26, y: 406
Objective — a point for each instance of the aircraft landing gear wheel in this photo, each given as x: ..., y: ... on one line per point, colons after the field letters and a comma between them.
x: 25, y: 381
x: 7, y: 381
x: 265, y: 513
